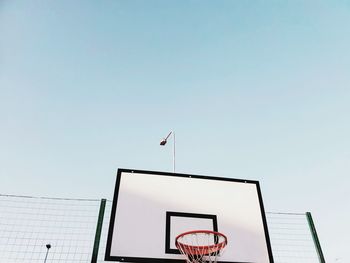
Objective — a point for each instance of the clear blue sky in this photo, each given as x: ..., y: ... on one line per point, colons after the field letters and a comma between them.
x: 254, y: 89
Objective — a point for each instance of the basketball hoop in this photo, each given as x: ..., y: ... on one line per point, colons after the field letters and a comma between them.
x: 201, y: 246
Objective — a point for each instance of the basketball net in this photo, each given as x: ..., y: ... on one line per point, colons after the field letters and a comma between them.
x: 201, y: 246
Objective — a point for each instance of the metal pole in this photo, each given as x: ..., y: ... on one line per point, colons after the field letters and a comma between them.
x: 165, y: 140
x: 48, y: 246
x: 173, y: 152
x: 98, y: 230
x: 47, y: 252
x: 315, y: 237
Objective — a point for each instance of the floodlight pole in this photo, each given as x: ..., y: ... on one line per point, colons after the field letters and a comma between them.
x: 173, y: 152
x: 48, y: 246
x: 165, y: 140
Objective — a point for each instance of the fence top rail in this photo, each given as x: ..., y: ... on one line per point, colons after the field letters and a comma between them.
x: 90, y: 200
x: 286, y: 213
x: 51, y: 198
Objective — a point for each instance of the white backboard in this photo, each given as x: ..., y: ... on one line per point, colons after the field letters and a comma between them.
x: 151, y: 208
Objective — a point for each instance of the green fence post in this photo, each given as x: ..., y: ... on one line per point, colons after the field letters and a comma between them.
x: 315, y: 237
x: 98, y: 230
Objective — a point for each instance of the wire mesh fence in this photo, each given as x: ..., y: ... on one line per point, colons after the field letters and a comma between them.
x: 28, y: 224
x: 291, y: 238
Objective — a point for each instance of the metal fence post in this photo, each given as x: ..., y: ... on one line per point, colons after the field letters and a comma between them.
x: 98, y: 231
x: 315, y: 237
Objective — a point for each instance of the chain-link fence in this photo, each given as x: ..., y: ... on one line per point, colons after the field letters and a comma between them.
x: 29, y: 224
